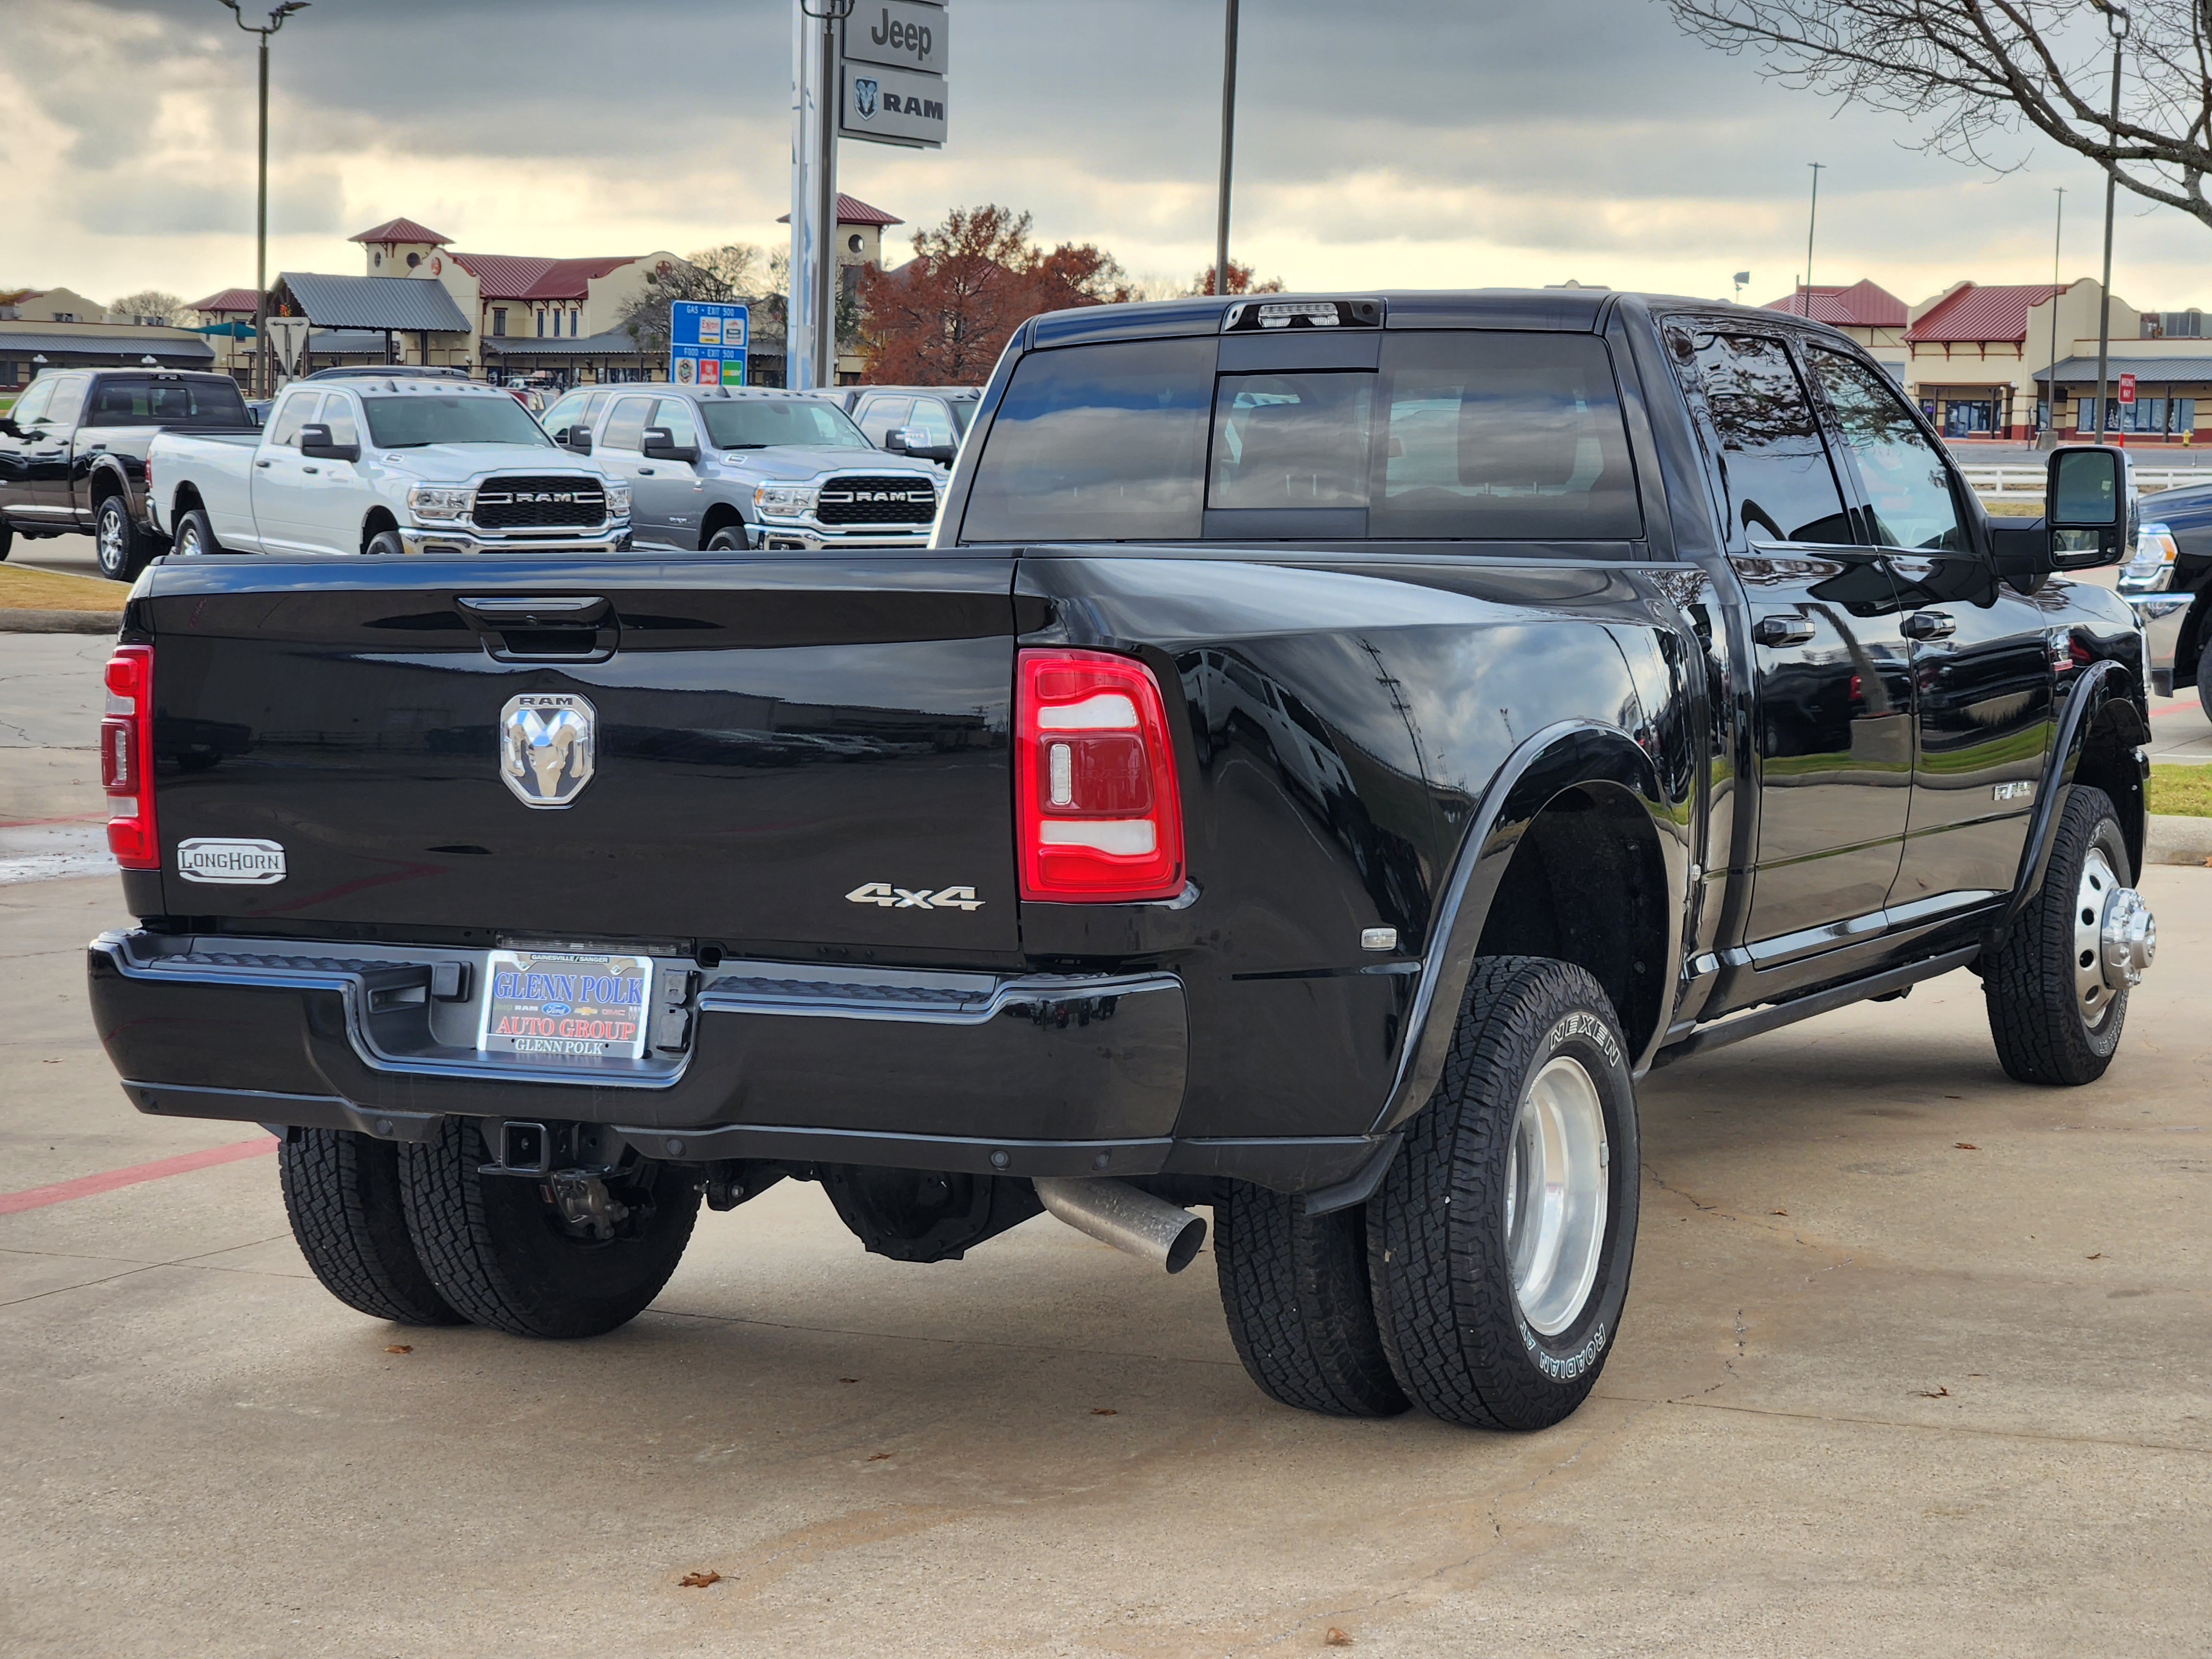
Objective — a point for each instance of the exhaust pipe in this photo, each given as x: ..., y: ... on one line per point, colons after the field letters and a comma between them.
x: 1127, y: 1218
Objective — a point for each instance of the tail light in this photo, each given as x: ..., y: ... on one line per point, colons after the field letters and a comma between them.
x: 126, y: 758
x: 1097, y: 808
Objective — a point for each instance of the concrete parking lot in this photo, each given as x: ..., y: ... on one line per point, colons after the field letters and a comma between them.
x: 1918, y: 1360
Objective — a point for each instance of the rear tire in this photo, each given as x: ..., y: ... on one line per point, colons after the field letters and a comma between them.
x: 1534, y: 1122
x: 7, y: 539
x: 118, y: 543
x: 2032, y: 982
x: 342, y: 1193
x: 195, y: 536
x: 1295, y: 1290
x: 497, y: 1250
x: 2203, y: 667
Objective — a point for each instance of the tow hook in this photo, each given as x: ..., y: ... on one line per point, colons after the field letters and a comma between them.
x: 582, y: 1198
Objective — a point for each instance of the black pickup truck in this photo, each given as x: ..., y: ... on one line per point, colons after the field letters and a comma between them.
x: 73, y: 454
x: 1333, y: 747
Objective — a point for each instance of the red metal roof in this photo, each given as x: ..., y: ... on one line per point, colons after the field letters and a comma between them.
x: 528, y: 277
x: 229, y: 300
x: 400, y: 230
x: 1975, y: 312
x: 852, y: 210
x: 1862, y: 305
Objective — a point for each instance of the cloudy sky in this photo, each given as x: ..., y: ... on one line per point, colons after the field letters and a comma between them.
x: 1405, y: 143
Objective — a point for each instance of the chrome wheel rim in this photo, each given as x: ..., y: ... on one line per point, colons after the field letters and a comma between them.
x: 2114, y: 938
x: 188, y: 542
x: 1555, y: 1194
x: 111, y: 540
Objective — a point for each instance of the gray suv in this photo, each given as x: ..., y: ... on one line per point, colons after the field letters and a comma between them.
x: 729, y: 470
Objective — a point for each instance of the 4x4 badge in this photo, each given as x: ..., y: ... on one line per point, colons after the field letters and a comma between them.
x: 918, y: 898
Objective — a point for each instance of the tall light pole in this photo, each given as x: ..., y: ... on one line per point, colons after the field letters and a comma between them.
x: 1228, y: 146
x: 2115, y: 20
x: 277, y: 16
x: 1812, y: 218
x: 2050, y: 372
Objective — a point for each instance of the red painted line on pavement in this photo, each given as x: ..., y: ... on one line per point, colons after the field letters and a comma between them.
x: 27, y: 823
x: 61, y: 1191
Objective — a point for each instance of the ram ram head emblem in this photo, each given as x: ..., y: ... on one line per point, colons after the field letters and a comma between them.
x: 546, y: 745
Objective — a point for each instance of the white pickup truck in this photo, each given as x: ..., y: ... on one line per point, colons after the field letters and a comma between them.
x: 387, y: 467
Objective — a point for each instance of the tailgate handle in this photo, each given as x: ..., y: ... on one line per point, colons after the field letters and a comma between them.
x: 544, y: 628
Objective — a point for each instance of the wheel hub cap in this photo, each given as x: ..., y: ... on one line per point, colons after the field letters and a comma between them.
x: 2115, y: 936
x: 1555, y: 1194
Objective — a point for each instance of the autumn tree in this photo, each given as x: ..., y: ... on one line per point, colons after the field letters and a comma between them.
x: 1971, y: 72
x: 942, y: 318
x: 1240, y: 282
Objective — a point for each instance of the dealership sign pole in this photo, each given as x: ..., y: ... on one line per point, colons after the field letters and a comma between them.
x: 811, y: 328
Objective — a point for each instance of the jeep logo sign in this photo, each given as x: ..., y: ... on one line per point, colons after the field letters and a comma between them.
x: 908, y: 34
x: 894, y: 84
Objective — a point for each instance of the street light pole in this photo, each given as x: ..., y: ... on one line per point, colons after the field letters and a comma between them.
x: 2115, y: 20
x: 2051, y: 370
x: 261, y: 377
x: 1812, y: 218
x: 1228, y: 146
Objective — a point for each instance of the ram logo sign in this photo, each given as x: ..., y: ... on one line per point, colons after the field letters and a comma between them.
x: 548, y: 745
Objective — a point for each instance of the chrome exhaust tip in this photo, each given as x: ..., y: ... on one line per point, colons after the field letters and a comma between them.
x: 1127, y: 1218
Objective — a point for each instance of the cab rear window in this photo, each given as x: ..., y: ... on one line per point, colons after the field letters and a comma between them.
x: 1457, y: 435
x: 149, y: 400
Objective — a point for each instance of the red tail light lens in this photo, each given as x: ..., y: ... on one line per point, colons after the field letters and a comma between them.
x: 126, y: 758
x: 1097, y: 808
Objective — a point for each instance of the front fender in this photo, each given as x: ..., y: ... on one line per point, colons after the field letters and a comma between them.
x: 1556, y: 759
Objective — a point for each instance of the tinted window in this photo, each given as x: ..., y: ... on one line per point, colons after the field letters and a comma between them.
x: 626, y: 424
x: 1779, y: 482
x: 294, y: 412
x: 142, y: 400
x: 936, y: 425
x: 1290, y: 441
x: 565, y: 414
x: 1098, y: 443
x: 1505, y: 436
x: 963, y: 410
x: 1907, y: 487
x: 675, y: 414
x: 760, y: 423
x: 412, y: 421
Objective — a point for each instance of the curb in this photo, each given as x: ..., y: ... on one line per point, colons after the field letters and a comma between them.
x: 2175, y: 839
x: 61, y: 621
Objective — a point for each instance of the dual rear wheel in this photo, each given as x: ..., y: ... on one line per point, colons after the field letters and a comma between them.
x: 417, y: 1234
x: 1483, y: 1280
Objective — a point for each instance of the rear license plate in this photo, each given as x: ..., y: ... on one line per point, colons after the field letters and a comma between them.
x: 551, y: 1006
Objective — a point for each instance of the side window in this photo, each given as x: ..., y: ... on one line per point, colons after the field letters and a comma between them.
x: 68, y: 399
x: 881, y: 416
x: 294, y: 414
x: 1907, y: 486
x: 337, y: 414
x: 31, y: 407
x: 676, y: 415
x: 930, y: 415
x: 626, y: 426
x: 565, y: 414
x: 1781, y: 487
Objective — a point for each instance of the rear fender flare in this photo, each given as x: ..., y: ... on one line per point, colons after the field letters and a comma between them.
x: 107, y: 477
x: 2105, y: 688
x: 1552, y: 760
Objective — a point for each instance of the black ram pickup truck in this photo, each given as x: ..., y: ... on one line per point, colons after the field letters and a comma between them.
x: 73, y: 454
x: 1333, y: 747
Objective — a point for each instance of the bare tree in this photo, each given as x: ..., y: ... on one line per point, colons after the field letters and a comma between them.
x: 722, y: 274
x: 151, y: 303
x: 1972, y: 71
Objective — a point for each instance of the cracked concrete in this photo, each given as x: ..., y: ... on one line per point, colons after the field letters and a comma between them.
x: 1874, y: 1393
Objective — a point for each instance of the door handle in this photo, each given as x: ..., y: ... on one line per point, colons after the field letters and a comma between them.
x: 647, y: 470
x: 1929, y: 625
x: 311, y: 469
x: 265, y: 463
x: 1783, y: 630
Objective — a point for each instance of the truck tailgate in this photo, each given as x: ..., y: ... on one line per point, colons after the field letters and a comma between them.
x: 795, y: 756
